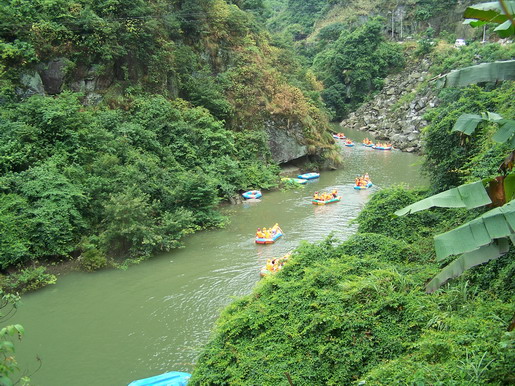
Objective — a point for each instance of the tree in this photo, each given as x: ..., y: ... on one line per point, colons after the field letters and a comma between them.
x: 488, y: 236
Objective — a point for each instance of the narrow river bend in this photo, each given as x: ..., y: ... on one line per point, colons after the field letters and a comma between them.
x: 112, y: 327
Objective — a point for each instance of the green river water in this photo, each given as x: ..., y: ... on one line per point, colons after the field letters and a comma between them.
x: 114, y: 326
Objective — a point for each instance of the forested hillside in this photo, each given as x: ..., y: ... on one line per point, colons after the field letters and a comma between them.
x: 124, y: 124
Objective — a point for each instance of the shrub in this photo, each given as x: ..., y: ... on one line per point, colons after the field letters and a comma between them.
x: 378, y: 217
x: 29, y: 279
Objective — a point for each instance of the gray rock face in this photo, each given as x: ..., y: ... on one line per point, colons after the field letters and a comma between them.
x: 285, y: 143
x: 390, y: 118
x: 31, y: 85
x: 52, y: 74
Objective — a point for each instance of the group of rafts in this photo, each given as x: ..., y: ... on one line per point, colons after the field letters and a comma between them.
x: 366, y: 142
x: 270, y: 235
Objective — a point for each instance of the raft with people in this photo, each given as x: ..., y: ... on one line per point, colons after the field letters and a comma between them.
x: 367, y: 142
x: 325, y: 198
x: 309, y: 176
x: 349, y: 143
x: 273, y: 265
x: 252, y: 194
x: 382, y: 146
x: 362, y: 182
x: 339, y: 136
x: 268, y: 236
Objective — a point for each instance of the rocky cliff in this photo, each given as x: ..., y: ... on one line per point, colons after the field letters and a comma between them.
x: 396, y: 113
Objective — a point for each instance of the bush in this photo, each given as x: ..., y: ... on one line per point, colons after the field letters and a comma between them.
x: 378, y: 216
x: 28, y: 279
x: 92, y: 260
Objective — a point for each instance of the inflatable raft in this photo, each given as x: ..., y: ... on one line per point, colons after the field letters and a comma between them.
x: 339, y: 136
x: 273, y: 265
x: 368, y: 145
x: 271, y: 240
x: 172, y: 378
x: 325, y: 202
x: 308, y: 176
x: 382, y: 147
x: 349, y: 144
x: 252, y: 194
x: 297, y: 180
x: 361, y: 187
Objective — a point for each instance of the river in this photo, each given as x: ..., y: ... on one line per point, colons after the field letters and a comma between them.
x: 115, y: 326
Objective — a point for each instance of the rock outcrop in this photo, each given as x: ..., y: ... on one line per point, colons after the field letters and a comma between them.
x: 396, y: 114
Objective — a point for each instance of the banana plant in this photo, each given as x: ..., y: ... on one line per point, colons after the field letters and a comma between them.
x: 488, y: 236
x: 499, y: 12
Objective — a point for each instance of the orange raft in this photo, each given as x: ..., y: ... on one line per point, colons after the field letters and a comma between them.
x: 273, y: 265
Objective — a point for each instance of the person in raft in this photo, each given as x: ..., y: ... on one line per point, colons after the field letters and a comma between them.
x: 276, y: 229
x: 260, y: 234
x: 316, y: 196
x: 334, y: 193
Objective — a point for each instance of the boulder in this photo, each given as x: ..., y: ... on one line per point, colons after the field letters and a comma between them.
x: 52, y: 75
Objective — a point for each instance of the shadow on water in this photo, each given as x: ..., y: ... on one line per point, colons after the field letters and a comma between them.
x: 111, y: 327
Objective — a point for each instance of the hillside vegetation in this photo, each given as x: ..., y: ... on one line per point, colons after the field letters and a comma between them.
x: 124, y: 124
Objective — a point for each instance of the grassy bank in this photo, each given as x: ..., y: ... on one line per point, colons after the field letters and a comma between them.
x: 344, y: 312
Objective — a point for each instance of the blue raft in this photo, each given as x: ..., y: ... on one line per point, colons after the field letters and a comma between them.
x: 368, y: 185
x: 172, y: 378
x: 252, y: 194
x: 309, y: 176
x: 271, y: 240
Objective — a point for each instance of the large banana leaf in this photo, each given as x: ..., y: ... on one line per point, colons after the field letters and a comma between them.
x: 491, y: 12
x: 469, y: 260
x: 467, y: 196
x: 494, y: 224
x: 467, y: 124
x: 484, y: 72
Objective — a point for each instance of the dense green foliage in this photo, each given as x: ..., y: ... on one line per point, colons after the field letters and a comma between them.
x: 354, y: 65
x: 183, y: 94
x: 122, y: 180
x: 338, y: 313
x: 452, y: 158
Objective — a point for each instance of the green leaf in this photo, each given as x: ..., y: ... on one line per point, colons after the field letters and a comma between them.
x: 491, y: 12
x: 509, y: 187
x: 492, y: 117
x: 505, y: 30
x: 484, y: 72
x: 505, y: 132
x: 494, y: 224
x: 467, y: 261
x: 464, y: 196
x: 474, y: 23
x: 467, y: 123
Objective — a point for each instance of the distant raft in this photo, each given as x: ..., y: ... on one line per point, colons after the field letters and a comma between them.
x: 252, y: 194
x: 309, y: 176
x: 325, y: 202
x: 339, y: 136
x: 368, y: 144
x: 172, y: 378
x: 297, y: 180
x: 361, y: 187
x: 349, y: 144
x: 382, y: 147
x: 270, y: 236
x: 271, y: 240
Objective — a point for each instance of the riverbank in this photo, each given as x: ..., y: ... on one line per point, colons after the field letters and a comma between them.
x: 356, y: 311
